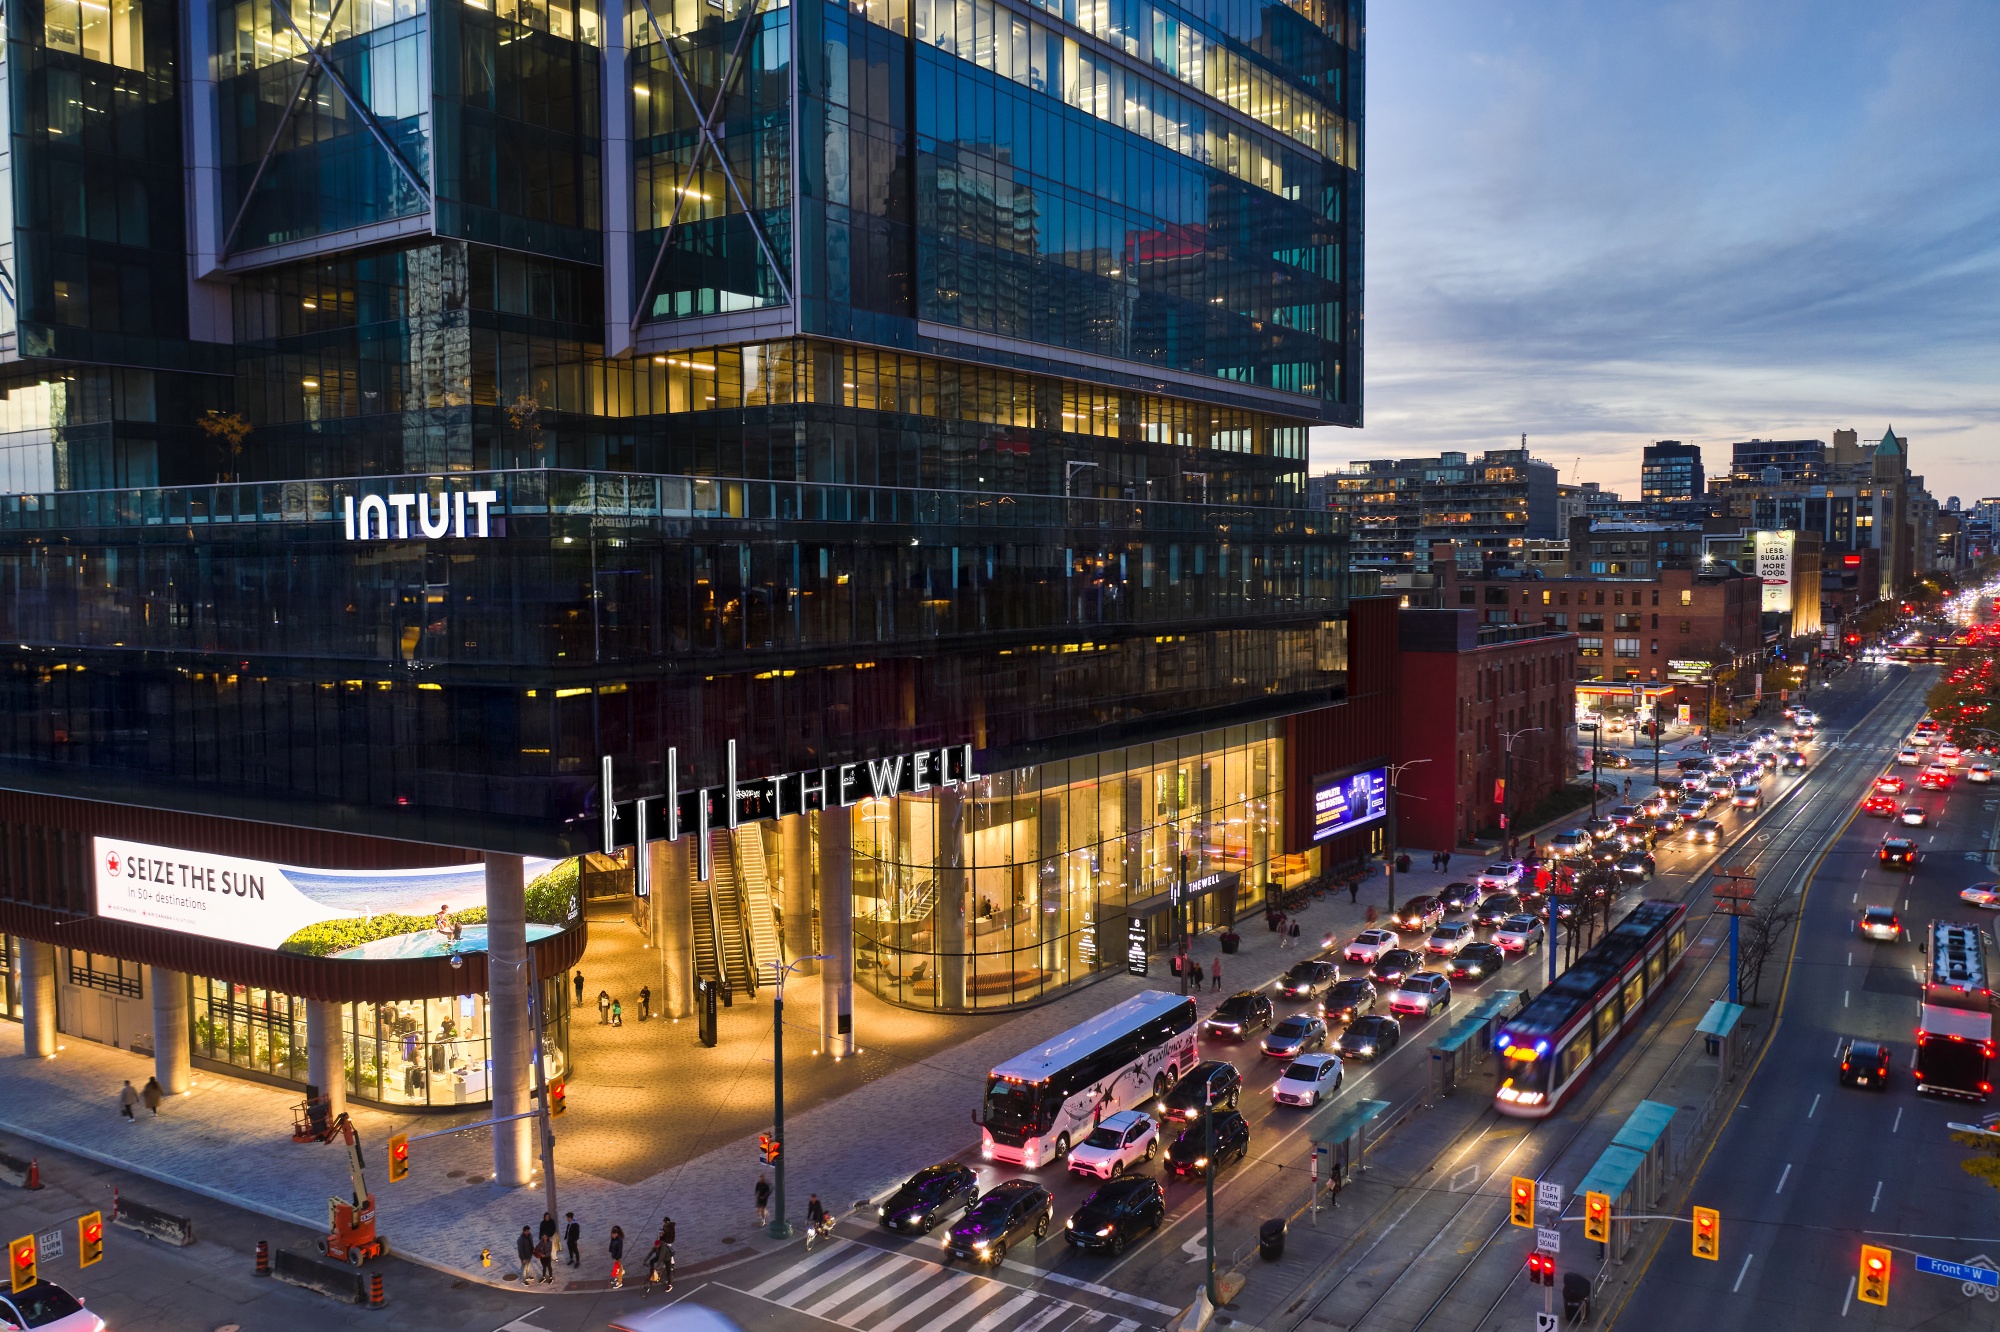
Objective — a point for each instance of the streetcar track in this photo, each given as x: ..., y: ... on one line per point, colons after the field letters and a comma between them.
x: 1798, y: 815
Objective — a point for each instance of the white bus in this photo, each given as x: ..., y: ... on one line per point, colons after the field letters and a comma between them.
x: 1041, y: 1101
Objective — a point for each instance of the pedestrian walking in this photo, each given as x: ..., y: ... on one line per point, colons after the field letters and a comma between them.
x: 1353, y: 891
x: 524, y: 1245
x: 544, y: 1248
x: 126, y: 1100
x: 617, y: 1013
x: 1295, y: 936
x: 578, y: 978
x: 763, y: 1201
x: 572, y: 1239
x: 660, y: 1265
x: 617, y: 1257
x: 1371, y: 914
x: 1215, y: 974
x: 645, y: 1002
x: 604, y: 1008
x: 151, y: 1095
x: 817, y: 1221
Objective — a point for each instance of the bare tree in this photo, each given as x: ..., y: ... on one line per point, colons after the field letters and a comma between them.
x: 1762, y: 935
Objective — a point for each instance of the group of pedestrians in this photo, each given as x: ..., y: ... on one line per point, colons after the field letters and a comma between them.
x: 537, y: 1249
x: 1189, y: 971
x: 610, y: 1010
x: 150, y: 1096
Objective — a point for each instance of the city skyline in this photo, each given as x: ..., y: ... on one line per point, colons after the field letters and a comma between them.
x: 1762, y: 165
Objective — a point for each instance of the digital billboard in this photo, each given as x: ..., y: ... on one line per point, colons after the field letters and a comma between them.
x: 1348, y: 800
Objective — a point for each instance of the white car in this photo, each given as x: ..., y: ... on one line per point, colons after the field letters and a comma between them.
x: 1981, y: 771
x: 1517, y: 934
x: 1922, y: 739
x: 1747, y: 796
x: 47, y: 1307
x: 1982, y: 895
x: 1115, y: 1145
x: 1369, y: 945
x: 1908, y: 757
x: 1572, y: 843
x: 1914, y: 816
x: 1308, y: 1080
x: 1422, y: 993
x: 1949, y: 754
x: 1499, y: 878
x: 1449, y: 940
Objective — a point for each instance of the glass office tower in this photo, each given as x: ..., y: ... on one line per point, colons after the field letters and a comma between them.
x: 833, y: 380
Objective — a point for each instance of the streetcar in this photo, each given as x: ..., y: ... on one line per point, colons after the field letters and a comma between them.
x: 1547, y: 1051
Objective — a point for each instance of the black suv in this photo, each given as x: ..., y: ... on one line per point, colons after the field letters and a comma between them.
x: 1188, y: 1154
x: 1116, y: 1212
x: 1419, y: 913
x: 1368, y: 1038
x: 1306, y: 979
x: 1212, y: 1081
x: 1239, y: 1015
x: 1865, y: 1064
x: 1459, y: 896
x: 1496, y: 909
x: 1348, y: 1000
x: 1396, y: 963
x: 1002, y: 1215
x: 929, y: 1196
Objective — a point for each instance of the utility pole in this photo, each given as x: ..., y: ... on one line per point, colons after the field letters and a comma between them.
x: 1595, y: 727
x: 780, y: 1228
x: 1507, y: 823
x: 1208, y: 1179
x: 1396, y: 771
x: 548, y: 1133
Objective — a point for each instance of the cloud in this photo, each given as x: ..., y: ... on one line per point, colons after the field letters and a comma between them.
x: 1601, y: 225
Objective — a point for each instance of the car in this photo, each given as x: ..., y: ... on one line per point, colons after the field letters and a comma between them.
x: 1982, y: 895
x: 1368, y: 945
x: 1369, y: 1038
x: 1189, y: 1153
x: 1923, y: 739
x: 1624, y: 815
x: 1118, y: 1143
x: 927, y: 1197
x: 1599, y: 829
x: 1880, y: 923
x: 1496, y: 909
x: 1611, y: 758
x: 1460, y: 896
x: 1004, y: 1213
x: 1211, y: 1082
x: 47, y: 1307
x: 1691, y: 810
x: 1306, y: 979
x: 1935, y: 778
x: 1747, y: 797
x: 1705, y: 831
x: 1663, y: 829
x: 1950, y: 753
x: 1348, y: 1000
x: 1636, y: 865
x: 1422, y: 994
x: 1294, y: 1036
x: 1979, y: 771
x: 1477, y: 961
x: 1239, y: 1015
x: 1768, y: 762
x: 1864, y: 1064
x: 1794, y: 761
x: 1308, y: 1080
x: 1656, y: 804
x: 1913, y: 816
x: 1518, y: 934
x: 1719, y: 786
x: 1446, y: 940
x: 1114, y: 1214
x: 1395, y: 964
x: 1419, y: 914
x: 1890, y: 784
x: 1880, y: 806
x: 1634, y: 837
x: 1898, y: 853
x: 1907, y: 757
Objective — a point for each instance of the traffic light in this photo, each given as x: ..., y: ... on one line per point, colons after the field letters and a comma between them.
x: 1541, y: 1269
x: 558, y: 1091
x: 768, y: 1147
x: 1873, y: 1286
x: 1521, y: 1197
x: 21, y: 1263
x: 399, y: 1157
x: 1597, y: 1217
x: 1707, y: 1233
x: 89, y: 1239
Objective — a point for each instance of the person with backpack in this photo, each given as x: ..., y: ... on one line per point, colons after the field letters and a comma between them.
x: 617, y: 1256
x: 763, y: 1201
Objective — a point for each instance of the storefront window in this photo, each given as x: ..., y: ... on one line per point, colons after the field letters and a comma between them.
x: 10, y: 984
x: 262, y: 1031
x: 1022, y: 883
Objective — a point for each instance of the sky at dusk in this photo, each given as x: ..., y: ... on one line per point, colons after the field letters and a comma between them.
x: 1606, y: 223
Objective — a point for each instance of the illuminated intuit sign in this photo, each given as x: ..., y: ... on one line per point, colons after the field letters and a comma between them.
x: 1341, y: 803
x: 460, y: 513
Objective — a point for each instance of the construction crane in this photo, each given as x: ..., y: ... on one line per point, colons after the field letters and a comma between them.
x: 350, y: 1233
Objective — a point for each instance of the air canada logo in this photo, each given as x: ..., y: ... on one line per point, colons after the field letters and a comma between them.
x: 112, y: 864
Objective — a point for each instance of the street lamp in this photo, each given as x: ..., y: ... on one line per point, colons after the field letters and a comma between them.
x: 1507, y: 739
x: 1395, y: 775
x: 781, y: 1228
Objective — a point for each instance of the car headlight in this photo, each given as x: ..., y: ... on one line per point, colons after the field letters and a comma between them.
x: 1104, y: 1232
x: 979, y: 1244
x: 1070, y: 1224
x: 881, y: 1211
x: 1201, y: 1161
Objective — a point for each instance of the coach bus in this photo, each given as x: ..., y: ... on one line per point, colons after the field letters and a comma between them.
x: 1548, y: 1050
x: 1955, y: 1028
x: 1039, y: 1102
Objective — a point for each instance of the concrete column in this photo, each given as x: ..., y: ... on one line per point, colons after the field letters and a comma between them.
x: 38, y: 999
x: 170, y: 1029
x: 673, y: 931
x: 836, y: 931
x: 326, y: 1052
x: 510, y: 1075
x: 796, y: 864
x: 949, y: 913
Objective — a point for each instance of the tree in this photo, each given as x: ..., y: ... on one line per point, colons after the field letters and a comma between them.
x: 1762, y: 934
x: 229, y: 431
x: 1984, y: 1163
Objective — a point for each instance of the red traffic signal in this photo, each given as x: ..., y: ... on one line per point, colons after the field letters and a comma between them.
x: 768, y: 1148
x: 1541, y: 1269
x: 558, y: 1097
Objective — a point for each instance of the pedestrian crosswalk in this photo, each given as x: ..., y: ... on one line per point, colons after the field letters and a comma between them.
x: 879, y: 1290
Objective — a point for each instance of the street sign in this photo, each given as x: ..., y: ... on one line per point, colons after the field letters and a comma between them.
x: 1725, y: 906
x: 1548, y: 1241
x: 1967, y: 1272
x: 49, y: 1245
x: 1549, y: 1195
x: 1547, y: 1322
x: 1744, y: 888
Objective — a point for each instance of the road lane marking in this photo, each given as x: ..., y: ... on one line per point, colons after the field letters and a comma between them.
x: 1845, y: 995
x: 1850, y: 957
x: 1744, y: 1270
x: 1899, y: 1120
x: 1850, y: 1297
x: 1837, y: 1042
x: 1782, y: 1178
x: 1876, y: 1202
x: 1815, y: 1106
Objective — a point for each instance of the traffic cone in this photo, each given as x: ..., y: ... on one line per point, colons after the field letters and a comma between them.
x: 263, y: 1258
x: 375, y: 1300
x: 34, y: 1173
